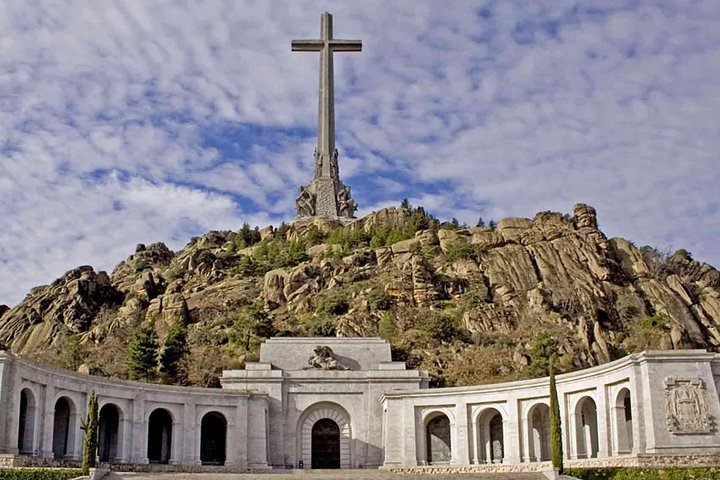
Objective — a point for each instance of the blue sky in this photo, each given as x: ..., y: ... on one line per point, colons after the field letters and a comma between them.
x: 134, y: 122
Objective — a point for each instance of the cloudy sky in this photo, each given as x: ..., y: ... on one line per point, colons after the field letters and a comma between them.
x: 142, y: 121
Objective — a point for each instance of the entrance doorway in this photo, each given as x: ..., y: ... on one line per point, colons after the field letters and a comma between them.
x: 325, y: 444
x: 159, y: 436
x: 212, y: 439
x: 109, y: 433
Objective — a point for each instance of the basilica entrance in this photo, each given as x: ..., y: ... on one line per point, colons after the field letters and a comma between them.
x: 325, y: 444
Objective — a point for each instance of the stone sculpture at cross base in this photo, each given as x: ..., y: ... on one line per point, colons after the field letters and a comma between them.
x: 326, y: 195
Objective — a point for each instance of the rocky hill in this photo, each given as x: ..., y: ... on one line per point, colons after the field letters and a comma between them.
x: 468, y: 304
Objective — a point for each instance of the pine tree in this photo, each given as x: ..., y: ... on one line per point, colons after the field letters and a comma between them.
x: 176, y: 347
x: 142, y: 356
x: 90, y: 440
x: 480, y: 222
x: 555, y: 423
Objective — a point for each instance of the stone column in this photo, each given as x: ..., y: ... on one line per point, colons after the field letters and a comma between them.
x: 256, y: 433
x: 76, y: 424
x: 10, y: 387
x: 238, y: 454
x: 191, y: 433
x: 139, y: 430
x: 460, y: 447
x: 526, y: 439
x: 512, y: 433
x: 178, y: 440
x: 603, y: 422
x: 47, y: 415
x: 124, y: 447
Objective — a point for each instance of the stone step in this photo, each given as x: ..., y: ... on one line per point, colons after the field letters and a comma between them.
x: 325, y: 475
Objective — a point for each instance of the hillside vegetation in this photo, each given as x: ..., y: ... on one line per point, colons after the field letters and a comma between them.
x: 469, y: 305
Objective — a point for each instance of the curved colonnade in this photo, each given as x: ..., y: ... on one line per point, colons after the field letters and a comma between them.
x: 650, y: 404
x: 138, y: 422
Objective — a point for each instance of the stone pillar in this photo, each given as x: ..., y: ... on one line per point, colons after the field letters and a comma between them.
x: 191, y: 435
x: 256, y: 433
x: 603, y: 423
x: 76, y: 425
x: 139, y: 431
x: 527, y: 439
x: 47, y: 416
x: 124, y: 447
x: 178, y: 440
x: 238, y: 454
x: 512, y: 433
x: 474, y: 437
x: 9, y: 396
x: 460, y: 444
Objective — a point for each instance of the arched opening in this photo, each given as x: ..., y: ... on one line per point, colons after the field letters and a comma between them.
x: 109, y: 433
x: 159, y: 436
x: 213, y: 431
x: 307, y: 441
x: 491, y: 439
x: 325, y: 444
x: 624, y: 426
x: 539, y: 433
x: 63, y: 428
x: 586, y: 428
x: 26, y: 428
x: 437, y: 440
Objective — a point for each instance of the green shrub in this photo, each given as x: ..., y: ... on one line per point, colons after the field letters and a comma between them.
x: 656, y: 322
x: 674, y: 473
x: 543, y: 347
x: 333, y: 304
x: 386, y: 327
x: 39, y: 473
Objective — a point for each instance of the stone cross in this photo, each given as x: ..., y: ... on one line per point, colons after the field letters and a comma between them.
x: 326, y: 45
x: 326, y: 195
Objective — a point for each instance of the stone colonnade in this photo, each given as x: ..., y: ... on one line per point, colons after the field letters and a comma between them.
x: 139, y: 423
x: 614, y: 410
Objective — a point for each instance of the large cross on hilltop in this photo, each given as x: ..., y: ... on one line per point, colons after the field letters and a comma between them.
x: 326, y: 195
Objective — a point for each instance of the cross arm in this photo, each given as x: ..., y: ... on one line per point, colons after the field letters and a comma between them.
x: 307, y: 45
x: 346, y: 45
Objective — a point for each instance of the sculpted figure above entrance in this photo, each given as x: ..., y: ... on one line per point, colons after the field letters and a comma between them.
x: 325, y: 359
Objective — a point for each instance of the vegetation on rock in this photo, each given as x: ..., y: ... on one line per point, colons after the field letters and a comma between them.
x: 469, y: 305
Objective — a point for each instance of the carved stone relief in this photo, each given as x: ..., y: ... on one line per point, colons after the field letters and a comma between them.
x: 686, y: 406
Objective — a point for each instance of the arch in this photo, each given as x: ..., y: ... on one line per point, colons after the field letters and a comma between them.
x: 491, y: 442
x: 213, y: 439
x: 159, y: 438
x: 308, y: 419
x: 26, y: 424
x: 64, y: 420
x: 586, y: 428
x: 109, y: 435
x: 539, y: 432
x: 438, y: 443
x: 325, y: 444
x: 623, y: 422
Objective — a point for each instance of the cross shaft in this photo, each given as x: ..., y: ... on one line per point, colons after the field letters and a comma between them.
x: 326, y: 45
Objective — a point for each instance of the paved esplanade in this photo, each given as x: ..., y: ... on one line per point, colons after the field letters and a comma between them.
x: 326, y: 195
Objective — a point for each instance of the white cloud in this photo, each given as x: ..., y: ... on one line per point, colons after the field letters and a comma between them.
x: 525, y: 107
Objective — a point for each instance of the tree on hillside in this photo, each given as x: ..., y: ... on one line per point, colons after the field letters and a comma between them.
x: 555, y: 423
x: 142, y: 355
x: 175, y: 348
x: 90, y: 440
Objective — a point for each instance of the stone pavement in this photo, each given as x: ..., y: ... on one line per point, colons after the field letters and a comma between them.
x: 323, y: 475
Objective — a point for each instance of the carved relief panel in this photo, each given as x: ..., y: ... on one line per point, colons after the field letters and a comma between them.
x: 686, y: 406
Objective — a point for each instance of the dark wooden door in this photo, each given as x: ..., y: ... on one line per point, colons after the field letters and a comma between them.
x: 325, y: 444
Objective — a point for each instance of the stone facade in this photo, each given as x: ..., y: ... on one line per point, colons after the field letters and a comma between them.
x: 342, y: 402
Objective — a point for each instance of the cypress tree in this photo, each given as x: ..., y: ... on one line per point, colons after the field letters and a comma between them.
x: 90, y: 440
x: 142, y: 356
x: 555, y: 425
